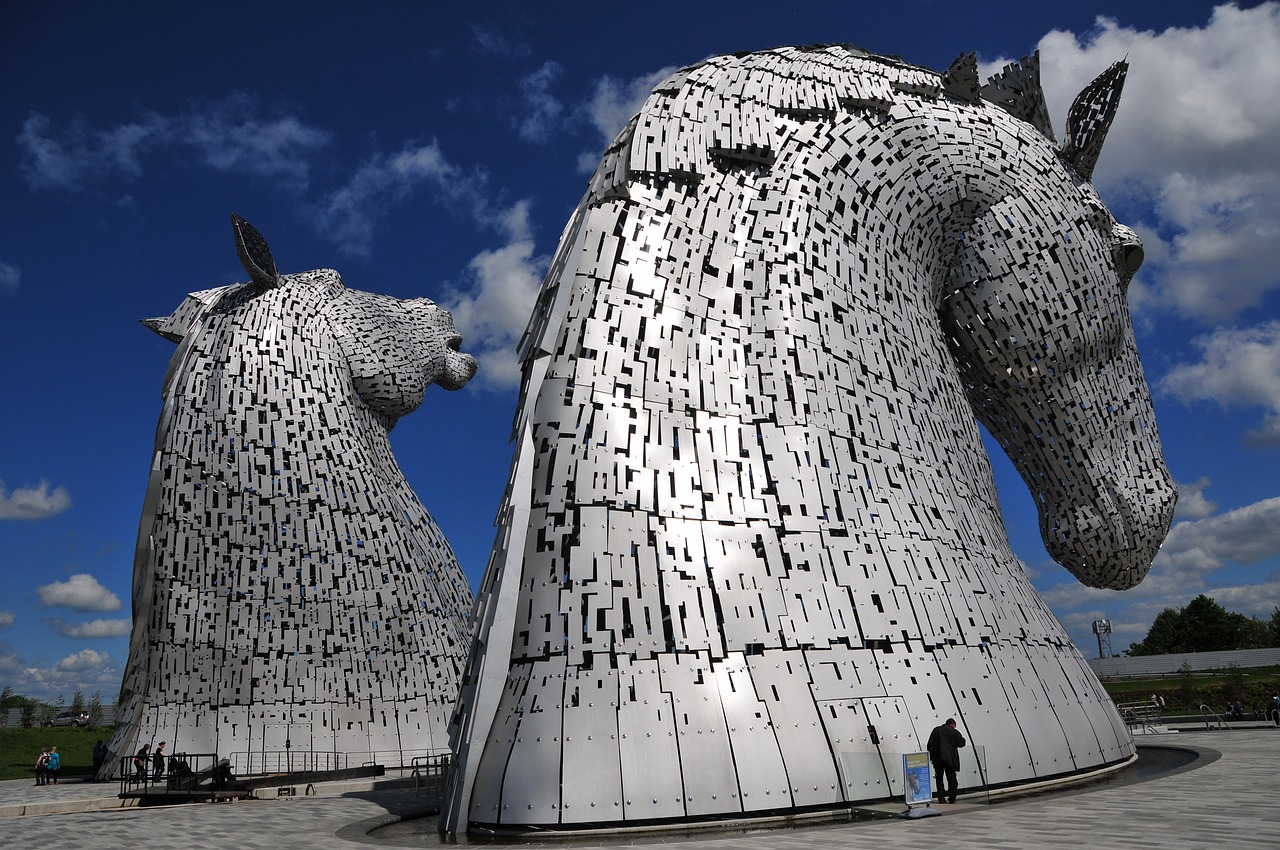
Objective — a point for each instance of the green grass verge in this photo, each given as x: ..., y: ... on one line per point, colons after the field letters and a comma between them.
x: 1254, y: 687
x: 19, y: 749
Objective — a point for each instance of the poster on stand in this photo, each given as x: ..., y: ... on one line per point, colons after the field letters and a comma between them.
x: 917, y: 785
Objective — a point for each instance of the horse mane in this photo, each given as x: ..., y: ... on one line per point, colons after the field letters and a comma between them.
x: 719, y: 123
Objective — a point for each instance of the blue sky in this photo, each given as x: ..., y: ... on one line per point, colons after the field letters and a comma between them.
x: 438, y: 149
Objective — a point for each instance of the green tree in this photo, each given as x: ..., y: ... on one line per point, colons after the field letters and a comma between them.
x: 77, y: 701
x: 1275, y: 626
x: 6, y: 701
x: 1164, y: 637
x: 1209, y: 626
x: 1253, y: 633
x: 1205, y: 626
x: 95, y: 709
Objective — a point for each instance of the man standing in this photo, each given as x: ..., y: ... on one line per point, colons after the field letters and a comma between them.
x: 42, y: 767
x: 944, y: 746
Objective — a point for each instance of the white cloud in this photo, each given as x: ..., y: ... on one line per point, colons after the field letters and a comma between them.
x: 1192, y: 502
x: 6, y: 619
x: 1184, y: 567
x: 612, y: 105
x: 228, y: 135
x: 1242, y: 536
x: 81, y: 592
x: 492, y: 301
x: 1238, y: 368
x: 10, y: 277
x: 492, y: 308
x: 1194, y: 141
x: 349, y: 214
x: 542, y: 109
x: 1252, y: 600
x: 85, y: 659
x: 36, y: 502
x: 87, y: 671
x: 94, y: 628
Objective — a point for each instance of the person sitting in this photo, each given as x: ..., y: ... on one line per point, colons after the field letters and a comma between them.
x: 222, y: 775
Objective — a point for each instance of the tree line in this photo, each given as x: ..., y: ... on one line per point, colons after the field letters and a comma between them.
x: 33, y: 712
x: 1202, y: 625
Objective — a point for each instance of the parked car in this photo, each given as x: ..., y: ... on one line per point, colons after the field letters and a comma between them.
x: 69, y: 718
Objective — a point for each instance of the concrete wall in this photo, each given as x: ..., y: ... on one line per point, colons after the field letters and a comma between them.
x: 1165, y: 665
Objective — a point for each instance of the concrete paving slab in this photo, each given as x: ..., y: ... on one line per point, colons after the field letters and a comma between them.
x: 1219, y: 802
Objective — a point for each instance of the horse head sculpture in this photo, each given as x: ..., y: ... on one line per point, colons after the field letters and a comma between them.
x: 294, y: 603
x: 1036, y: 316
x: 751, y: 551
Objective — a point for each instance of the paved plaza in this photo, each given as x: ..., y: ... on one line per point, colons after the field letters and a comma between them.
x: 1219, y: 802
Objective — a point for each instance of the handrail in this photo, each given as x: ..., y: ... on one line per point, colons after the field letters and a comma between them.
x: 437, y: 770
x: 1207, y: 712
x: 264, y: 762
x: 180, y: 770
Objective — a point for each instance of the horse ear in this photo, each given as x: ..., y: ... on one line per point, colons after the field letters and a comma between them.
x: 1016, y: 90
x: 1090, y: 118
x: 961, y: 79
x: 254, y: 254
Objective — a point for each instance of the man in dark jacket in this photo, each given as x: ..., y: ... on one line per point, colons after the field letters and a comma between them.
x: 944, y: 746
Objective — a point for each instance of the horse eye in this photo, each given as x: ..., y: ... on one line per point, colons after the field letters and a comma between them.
x: 1129, y: 257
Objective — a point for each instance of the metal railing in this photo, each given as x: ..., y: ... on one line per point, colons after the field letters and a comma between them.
x: 430, y: 773
x: 1144, y: 715
x: 265, y: 762
x: 1207, y: 713
x: 181, y: 772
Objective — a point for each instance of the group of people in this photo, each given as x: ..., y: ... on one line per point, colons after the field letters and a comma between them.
x: 48, y: 763
x: 145, y: 760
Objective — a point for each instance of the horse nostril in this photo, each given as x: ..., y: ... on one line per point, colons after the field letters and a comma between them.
x: 1129, y: 257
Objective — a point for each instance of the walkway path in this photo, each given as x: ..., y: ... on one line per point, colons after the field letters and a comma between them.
x: 1228, y: 802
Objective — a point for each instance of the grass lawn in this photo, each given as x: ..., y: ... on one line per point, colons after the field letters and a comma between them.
x: 19, y: 749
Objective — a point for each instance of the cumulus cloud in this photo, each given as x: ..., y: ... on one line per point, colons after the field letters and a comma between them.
x: 493, y: 298
x: 492, y: 306
x: 85, y: 659
x: 1242, y: 536
x: 1253, y: 600
x: 542, y: 110
x: 93, y: 629
x: 227, y: 135
x: 1192, y: 502
x: 1239, y: 367
x: 6, y: 619
x: 10, y: 277
x: 1194, y: 141
x: 81, y: 592
x: 611, y: 106
x: 1185, y: 566
x: 36, y: 502
x: 87, y: 671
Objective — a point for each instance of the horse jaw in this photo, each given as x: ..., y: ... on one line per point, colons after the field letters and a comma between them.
x: 457, y: 370
x: 1110, y: 541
